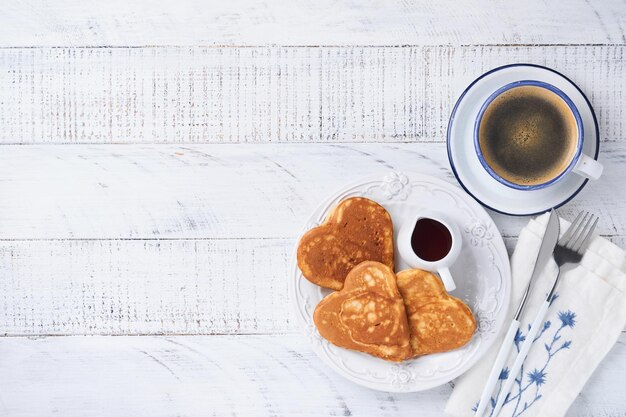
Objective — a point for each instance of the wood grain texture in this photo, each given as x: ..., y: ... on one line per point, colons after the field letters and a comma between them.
x: 179, y: 212
x: 144, y: 287
x: 136, y: 287
x: 221, y: 375
x: 189, y: 239
x: 271, y: 94
x: 223, y: 191
x: 307, y: 22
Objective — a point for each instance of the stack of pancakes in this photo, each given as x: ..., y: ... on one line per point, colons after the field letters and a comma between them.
x: 393, y: 317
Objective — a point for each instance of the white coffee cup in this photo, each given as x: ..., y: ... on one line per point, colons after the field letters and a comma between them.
x: 440, y: 266
x: 579, y: 163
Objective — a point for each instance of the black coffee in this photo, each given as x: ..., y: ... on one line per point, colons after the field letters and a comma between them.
x: 528, y: 135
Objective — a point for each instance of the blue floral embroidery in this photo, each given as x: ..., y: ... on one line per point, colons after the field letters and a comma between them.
x: 537, y: 376
x: 567, y: 318
x: 527, y: 386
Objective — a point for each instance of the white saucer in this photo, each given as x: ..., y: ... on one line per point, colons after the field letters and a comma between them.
x: 471, y: 174
x: 481, y: 273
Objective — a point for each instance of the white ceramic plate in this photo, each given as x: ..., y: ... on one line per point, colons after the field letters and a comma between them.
x: 481, y: 273
x: 471, y: 174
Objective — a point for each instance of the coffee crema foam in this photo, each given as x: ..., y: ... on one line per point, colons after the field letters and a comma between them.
x: 528, y: 135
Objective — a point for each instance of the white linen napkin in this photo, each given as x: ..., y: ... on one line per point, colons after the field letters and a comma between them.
x: 584, y: 321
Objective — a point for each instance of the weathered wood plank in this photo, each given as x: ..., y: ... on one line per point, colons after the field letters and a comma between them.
x: 220, y: 375
x: 135, y: 287
x: 307, y: 22
x: 222, y: 191
x: 144, y: 287
x: 271, y: 94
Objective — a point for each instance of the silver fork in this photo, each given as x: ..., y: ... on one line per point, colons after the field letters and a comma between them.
x: 570, y: 248
x: 568, y: 253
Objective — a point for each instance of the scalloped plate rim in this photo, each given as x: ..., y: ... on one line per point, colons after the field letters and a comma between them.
x: 318, y: 345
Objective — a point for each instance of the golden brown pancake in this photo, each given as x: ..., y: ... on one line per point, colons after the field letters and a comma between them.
x: 356, y: 230
x: 367, y: 314
x: 438, y: 322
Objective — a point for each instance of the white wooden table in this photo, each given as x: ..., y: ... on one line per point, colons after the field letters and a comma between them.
x: 159, y: 158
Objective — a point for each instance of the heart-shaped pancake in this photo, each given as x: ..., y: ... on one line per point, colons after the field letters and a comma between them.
x: 367, y: 314
x: 356, y: 230
x: 438, y: 322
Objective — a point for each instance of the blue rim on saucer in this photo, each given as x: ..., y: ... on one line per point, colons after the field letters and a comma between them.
x: 453, y: 115
x: 572, y: 107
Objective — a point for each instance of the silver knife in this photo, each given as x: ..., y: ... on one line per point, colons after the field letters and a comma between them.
x: 548, y: 243
x: 550, y: 237
x: 537, y: 323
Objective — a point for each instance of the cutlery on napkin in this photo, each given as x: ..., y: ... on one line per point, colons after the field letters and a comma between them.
x: 585, y: 318
x: 548, y: 242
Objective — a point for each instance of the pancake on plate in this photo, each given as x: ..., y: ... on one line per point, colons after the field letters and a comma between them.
x: 367, y: 315
x: 356, y: 230
x: 438, y: 322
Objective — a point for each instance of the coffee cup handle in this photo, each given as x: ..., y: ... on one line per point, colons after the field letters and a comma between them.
x: 588, y: 167
x: 446, y: 277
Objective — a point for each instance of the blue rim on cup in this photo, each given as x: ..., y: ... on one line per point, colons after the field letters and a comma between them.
x: 579, y: 127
